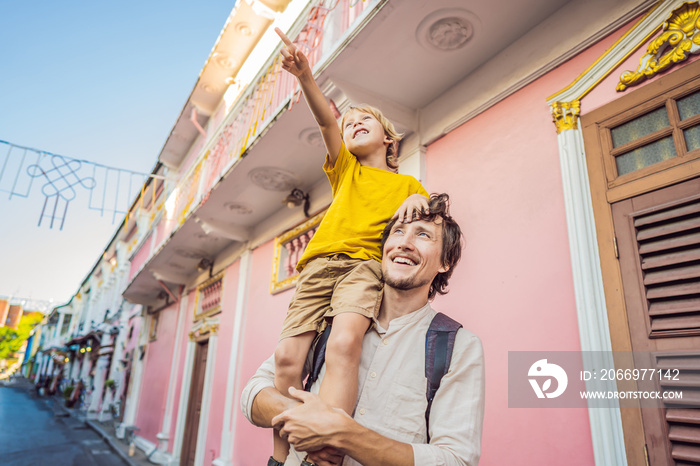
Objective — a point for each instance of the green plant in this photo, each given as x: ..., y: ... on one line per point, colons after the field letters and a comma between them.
x: 109, y: 384
x: 68, y: 391
x: 11, y: 340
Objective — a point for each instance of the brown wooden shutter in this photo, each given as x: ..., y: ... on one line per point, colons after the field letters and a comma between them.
x: 668, y: 243
x: 682, y: 416
x: 658, y: 236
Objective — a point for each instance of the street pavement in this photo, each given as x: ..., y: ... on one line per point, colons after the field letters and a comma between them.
x: 35, y: 431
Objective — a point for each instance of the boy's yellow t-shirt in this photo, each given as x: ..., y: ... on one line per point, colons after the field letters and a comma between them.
x: 364, y: 199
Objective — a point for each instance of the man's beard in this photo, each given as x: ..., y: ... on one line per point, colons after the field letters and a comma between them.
x: 404, y: 284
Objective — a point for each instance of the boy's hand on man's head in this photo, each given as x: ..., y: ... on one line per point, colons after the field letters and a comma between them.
x: 411, y: 208
x: 294, y: 60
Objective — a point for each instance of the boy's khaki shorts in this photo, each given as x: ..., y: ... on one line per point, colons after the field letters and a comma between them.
x: 329, y: 286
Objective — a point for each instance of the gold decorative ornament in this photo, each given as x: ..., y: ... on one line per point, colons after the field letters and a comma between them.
x: 209, y: 297
x: 284, y: 275
x: 565, y: 115
x: 680, y: 39
x: 206, y: 328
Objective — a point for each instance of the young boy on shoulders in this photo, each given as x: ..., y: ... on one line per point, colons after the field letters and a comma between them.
x: 340, y: 271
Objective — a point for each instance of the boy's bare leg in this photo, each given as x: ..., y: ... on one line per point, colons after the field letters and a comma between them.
x: 290, y: 356
x: 343, y: 351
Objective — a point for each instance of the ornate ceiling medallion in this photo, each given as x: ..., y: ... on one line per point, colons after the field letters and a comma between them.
x: 446, y: 30
x: 449, y: 33
x: 205, y: 237
x: 210, y: 88
x: 272, y: 179
x: 224, y: 60
x: 680, y: 39
x: 190, y: 253
x: 238, y: 208
x: 243, y: 29
x: 312, y: 137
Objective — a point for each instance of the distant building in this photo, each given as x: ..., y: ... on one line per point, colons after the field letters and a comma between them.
x: 4, y: 310
x: 14, y: 315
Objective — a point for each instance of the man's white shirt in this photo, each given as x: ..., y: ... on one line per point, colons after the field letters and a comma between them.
x: 392, y: 393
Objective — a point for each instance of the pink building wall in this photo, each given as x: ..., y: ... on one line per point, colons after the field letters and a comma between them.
x: 140, y: 257
x: 263, y: 325
x: 156, y: 373
x: 223, y: 357
x: 514, y: 286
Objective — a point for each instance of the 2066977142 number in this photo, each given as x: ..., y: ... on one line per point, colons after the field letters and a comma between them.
x: 639, y: 374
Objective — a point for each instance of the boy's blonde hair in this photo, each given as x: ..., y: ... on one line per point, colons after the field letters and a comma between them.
x: 392, y: 157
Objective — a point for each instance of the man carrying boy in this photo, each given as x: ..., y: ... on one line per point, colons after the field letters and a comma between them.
x: 389, y: 424
x: 340, y: 272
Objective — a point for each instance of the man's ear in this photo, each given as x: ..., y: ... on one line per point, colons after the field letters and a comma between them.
x: 443, y: 269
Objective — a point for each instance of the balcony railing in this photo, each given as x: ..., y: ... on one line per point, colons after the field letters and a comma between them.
x: 326, y: 24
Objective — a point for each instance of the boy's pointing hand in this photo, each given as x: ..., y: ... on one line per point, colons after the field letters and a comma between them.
x: 293, y: 59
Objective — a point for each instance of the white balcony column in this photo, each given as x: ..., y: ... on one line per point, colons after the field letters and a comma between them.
x: 134, y: 388
x: 182, y: 404
x: 47, y: 365
x: 98, y: 384
x: 161, y: 456
x: 594, y: 332
x: 59, y: 326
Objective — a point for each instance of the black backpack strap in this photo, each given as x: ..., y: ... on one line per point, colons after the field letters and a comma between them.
x: 319, y: 357
x: 439, y: 343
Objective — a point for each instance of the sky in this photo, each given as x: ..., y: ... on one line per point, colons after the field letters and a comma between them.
x: 97, y: 81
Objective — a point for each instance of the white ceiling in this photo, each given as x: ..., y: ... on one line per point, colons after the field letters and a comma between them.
x: 389, y: 59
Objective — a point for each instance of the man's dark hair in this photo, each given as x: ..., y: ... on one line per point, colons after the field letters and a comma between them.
x: 439, y: 207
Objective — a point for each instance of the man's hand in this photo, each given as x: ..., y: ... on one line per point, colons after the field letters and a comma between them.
x: 412, y: 206
x: 293, y: 59
x: 325, y: 457
x: 311, y: 425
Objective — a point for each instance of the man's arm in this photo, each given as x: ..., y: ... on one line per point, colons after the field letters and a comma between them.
x: 260, y: 400
x: 314, y: 425
x: 296, y: 63
x: 268, y: 403
x: 455, y: 427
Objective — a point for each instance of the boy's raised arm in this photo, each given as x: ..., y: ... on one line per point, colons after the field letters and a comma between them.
x: 295, y: 62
